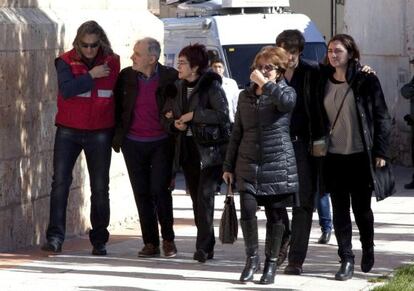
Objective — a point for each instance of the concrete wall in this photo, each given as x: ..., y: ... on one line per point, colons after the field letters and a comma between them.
x: 384, y: 32
x: 32, y: 34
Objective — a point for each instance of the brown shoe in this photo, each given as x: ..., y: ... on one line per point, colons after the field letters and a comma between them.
x: 169, y: 248
x: 149, y: 250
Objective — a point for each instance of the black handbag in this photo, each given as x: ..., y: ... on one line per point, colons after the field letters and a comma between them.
x: 384, y: 181
x: 228, y: 224
x: 210, y: 155
x: 210, y: 134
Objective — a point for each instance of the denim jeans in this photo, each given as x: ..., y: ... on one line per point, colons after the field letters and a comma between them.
x: 97, y: 148
x: 149, y: 167
x: 324, y: 212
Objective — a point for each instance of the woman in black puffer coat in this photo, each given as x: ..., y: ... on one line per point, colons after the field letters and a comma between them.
x: 260, y: 154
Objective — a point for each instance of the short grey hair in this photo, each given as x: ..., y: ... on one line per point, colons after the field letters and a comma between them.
x: 154, y: 47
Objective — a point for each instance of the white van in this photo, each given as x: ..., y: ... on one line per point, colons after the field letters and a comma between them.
x: 237, y: 38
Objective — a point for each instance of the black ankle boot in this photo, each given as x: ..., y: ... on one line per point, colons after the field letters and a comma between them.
x: 269, y: 272
x: 250, y: 235
x: 251, y: 267
x: 367, y: 260
x: 274, y: 235
x: 346, y: 271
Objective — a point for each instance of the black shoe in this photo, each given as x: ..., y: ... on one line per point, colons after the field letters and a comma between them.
x: 99, y: 250
x: 201, y: 256
x: 251, y: 267
x: 345, y: 272
x: 269, y: 273
x: 409, y: 186
x: 367, y: 260
x: 325, y: 237
x: 53, y: 246
x: 293, y: 269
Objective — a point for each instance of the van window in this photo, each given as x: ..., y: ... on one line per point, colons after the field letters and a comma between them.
x: 240, y: 58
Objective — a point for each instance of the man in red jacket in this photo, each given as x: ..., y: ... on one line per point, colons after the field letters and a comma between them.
x: 85, y: 121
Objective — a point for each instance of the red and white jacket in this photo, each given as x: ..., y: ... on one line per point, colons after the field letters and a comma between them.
x: 94, y: 109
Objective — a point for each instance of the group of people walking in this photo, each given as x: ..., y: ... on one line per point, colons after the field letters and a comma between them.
x: 299, y: 129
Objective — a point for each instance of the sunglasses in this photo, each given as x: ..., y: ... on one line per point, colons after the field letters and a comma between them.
x: 267, y: 68
x: 89, y: 45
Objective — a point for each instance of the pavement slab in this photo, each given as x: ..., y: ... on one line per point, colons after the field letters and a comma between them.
x: 121, y: 270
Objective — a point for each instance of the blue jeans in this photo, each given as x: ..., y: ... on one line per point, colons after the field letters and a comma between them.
x: 324, y: 213
x: 97, y: 147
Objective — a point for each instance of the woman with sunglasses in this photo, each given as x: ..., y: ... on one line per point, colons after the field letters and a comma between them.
x: 85, y: 121
x: 260, y: 154
x: 359, y: 125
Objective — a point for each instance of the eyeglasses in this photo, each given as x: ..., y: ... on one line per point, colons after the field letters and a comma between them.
x: 182, y: 63
x: 89, y: 45
x: 267, y: 68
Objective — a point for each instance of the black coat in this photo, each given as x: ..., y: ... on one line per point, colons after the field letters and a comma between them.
x: 126, y: 91
x: 373, y: 119
x: 207, y: 101
x: 260, y: 150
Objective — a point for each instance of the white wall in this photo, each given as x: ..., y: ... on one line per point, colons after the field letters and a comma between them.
x: 384, y: 31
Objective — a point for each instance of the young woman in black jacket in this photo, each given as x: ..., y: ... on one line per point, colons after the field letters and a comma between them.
x: 260, y: 154
x: 357, y: 148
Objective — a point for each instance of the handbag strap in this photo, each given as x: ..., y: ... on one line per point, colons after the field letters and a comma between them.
x: 229, y: 192
x: 340, y: 106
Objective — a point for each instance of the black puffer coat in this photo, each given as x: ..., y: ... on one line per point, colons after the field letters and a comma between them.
x: 260, y: 150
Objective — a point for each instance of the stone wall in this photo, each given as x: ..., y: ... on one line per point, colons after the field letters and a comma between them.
x: 32, y: 34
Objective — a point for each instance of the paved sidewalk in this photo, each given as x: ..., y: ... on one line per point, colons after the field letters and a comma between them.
x: 76, y: 269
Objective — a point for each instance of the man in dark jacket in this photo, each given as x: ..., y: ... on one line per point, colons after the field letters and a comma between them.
x: 301, y: 75
x: 147, y: 148
x: 407, y: 91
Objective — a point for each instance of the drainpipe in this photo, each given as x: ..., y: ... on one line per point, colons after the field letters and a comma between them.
x: 333, y: 18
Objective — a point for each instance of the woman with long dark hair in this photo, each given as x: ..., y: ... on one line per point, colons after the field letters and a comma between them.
x: 358, y: 122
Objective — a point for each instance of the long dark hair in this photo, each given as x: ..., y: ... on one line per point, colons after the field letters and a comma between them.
x: 349, y: 43
x: 92, y: 27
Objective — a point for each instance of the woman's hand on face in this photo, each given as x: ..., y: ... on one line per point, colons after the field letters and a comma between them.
x: 379, y: 162
x: 100, y: 71
x: 186, y: 117
x: 257, y: 77
x: 228, y: 178
x: 180, y: 125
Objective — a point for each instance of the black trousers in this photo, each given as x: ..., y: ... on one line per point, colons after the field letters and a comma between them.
x: 348, y: 179
x: 202, y: 184
x: 149, y: 167
x: 302, y: 215
x: 248, y: 208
